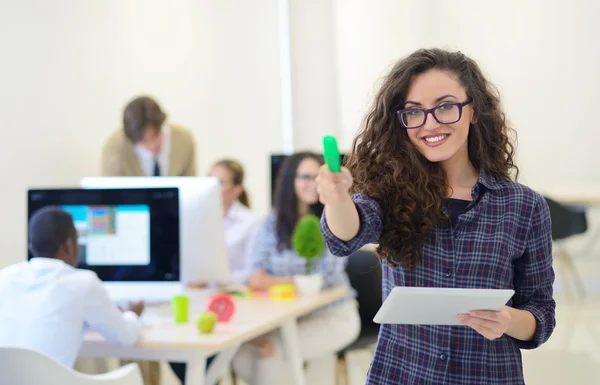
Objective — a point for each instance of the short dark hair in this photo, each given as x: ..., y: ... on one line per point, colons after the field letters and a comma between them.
x: 141, y: 113
x: 49, y: 228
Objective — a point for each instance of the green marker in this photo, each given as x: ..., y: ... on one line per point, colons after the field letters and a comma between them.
x: 331, y: 153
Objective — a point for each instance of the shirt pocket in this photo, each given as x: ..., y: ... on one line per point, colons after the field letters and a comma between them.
x: 488, y: 256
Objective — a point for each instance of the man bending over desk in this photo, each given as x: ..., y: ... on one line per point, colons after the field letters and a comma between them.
x: 148, y: 145
x: 46, y: 304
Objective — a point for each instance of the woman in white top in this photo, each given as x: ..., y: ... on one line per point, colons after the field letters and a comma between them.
x: 240, y: 225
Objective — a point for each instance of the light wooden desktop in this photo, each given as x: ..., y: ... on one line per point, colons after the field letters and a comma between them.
x: 162, y: 339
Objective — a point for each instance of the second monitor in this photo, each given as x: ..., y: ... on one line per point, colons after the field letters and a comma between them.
x: 203, y: 253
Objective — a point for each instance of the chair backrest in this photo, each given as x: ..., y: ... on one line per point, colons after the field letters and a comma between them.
x: 566, y: 221
x: 364, y: 272
x: 27, y: 367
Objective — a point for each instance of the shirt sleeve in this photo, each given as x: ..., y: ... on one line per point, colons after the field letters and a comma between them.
x: 264, y: 245
x: 534, y: 276
x: 102, y: 315
x: 371, y: 225
x: 241, y: 274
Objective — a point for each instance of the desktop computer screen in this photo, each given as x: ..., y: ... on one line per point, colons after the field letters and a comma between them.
x: 112, y: 235
x: 202, y: 249
x: 123, y: 234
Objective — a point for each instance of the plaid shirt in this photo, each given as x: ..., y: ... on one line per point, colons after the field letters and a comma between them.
x: 287, y: 263
x: 502, y: 241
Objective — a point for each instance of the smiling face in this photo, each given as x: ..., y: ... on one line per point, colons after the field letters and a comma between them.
x: 439, y: 142
x: 304, y: 185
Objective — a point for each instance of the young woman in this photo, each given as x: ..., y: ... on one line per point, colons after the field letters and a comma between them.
x: 240, y: 222
x: 325, y: 331
x: 431, y: 174
x: 240, y: 226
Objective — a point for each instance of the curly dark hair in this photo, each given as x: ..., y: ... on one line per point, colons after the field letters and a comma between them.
x: 410, y: 189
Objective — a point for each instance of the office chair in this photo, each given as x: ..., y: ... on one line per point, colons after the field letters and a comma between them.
x: 27, y: 367
x: 566, y: 222
x: 364, y: 272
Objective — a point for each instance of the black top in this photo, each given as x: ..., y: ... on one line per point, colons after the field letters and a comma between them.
x: 456, y: 207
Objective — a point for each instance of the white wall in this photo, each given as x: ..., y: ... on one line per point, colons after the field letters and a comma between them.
x: 370, y: 36
x: 542, y: 55
x: 314, y: 72
x: 68, y: 67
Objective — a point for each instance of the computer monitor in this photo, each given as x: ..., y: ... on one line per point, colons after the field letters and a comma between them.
x: 124, y: 235
x: 203, y: 253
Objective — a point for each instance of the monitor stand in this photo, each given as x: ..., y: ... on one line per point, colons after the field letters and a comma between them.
x: 148, y: 292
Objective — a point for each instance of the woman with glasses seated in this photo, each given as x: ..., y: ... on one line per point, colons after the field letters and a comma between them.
x: 432, y: 173
x: 325, y: 331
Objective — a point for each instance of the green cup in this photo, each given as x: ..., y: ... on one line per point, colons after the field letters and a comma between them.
x: 180, y: 305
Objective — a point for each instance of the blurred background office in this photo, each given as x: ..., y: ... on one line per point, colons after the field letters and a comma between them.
x: 251, y: 78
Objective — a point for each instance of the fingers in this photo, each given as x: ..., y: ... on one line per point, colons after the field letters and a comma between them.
x: 474, y: 321
x: 484, y: 314
x: 326, y: 175
x: 487, y: 328
x: 333, y: 187
x: 255, y: 284
x: 258, y: 281
x: 486, y: 332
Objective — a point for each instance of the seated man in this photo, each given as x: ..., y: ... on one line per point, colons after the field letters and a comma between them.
x: 147, y: 145
x: 46, y: 304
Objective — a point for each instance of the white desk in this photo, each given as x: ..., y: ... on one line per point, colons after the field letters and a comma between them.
x: 162, y: 339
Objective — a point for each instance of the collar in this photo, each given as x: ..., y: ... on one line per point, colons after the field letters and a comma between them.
x: 166, y: 132
x: 485, y: 182
x: 46, y: 262
x: 234, y: 211
x: 488, y: 181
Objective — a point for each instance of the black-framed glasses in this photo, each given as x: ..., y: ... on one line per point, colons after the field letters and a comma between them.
x: 446, y: 113
x: 306, y: 177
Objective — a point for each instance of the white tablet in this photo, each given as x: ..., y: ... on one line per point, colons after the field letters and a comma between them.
x: 437, y: 306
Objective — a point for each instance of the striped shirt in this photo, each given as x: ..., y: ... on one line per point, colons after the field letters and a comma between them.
x: 503, y: 240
